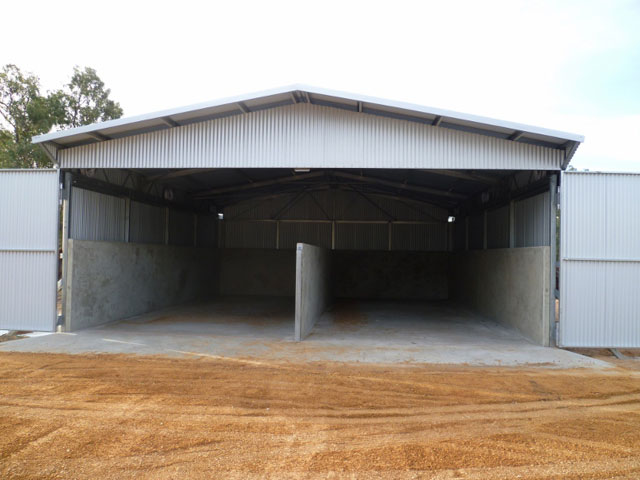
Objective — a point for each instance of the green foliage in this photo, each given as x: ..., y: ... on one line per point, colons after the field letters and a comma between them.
x: 25, y: 112
x: 84, y: 100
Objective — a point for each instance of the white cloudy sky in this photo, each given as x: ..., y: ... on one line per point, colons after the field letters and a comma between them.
x: 567, y: 65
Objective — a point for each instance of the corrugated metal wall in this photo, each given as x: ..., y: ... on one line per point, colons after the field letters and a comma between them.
x: 498, y: 228
x: 207, y: 231
x: 101, y: 217
x: 181, y: 228
x: 476, y: 232
x: 96, y: 216
x: 291, y: 233
x: 530, y: 229
x: 362, y: 236
x: 532, y: 221
x: 600, y: 255
x: 147, y: 223
x: 28, y: 249
x: 345, y: 219
x: 249, y: 234
x: 317, y: 136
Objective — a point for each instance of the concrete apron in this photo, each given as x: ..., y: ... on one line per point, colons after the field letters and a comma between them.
x: 259, y: 328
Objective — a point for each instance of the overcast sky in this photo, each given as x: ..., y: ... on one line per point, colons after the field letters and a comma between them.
x: 566, y: 65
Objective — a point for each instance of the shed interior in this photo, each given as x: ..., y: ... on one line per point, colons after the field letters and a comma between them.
x: 406, y: 240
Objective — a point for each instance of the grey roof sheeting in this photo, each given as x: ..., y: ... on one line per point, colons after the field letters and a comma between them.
x: 128, y: 126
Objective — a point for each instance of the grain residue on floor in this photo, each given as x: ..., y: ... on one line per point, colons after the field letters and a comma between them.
x: 105, y: 416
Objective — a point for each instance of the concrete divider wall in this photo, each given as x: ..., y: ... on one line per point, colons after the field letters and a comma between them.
x: 508, y: 285
x: 113, y: 280
x: 391, y: 275
x: 256, y: 271
x: 313, y: 287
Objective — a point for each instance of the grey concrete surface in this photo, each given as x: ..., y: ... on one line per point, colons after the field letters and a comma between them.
x: 313, y: 287
x: 393, y: 275
x: 507, y: 285
x: 256, y: 271
x: 109, y: 281
x: 260, y: 329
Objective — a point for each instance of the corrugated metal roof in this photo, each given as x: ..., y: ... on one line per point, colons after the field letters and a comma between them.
x: 289, y: 95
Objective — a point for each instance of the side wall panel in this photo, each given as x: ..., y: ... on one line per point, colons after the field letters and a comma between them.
x: 600, y: 255
x: 28, y: 249
x: 96, y: 216
x: 532, y: 221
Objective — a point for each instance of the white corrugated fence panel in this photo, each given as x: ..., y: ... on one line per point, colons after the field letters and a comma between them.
x: 310, y: 136
x: 28, y: 209
x: 28, y: 249
x: 600, y: 254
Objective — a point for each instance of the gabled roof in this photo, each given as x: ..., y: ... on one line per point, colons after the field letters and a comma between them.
x: 243, y: 104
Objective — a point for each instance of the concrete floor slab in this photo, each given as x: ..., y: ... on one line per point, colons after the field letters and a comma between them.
x: 354, y: 331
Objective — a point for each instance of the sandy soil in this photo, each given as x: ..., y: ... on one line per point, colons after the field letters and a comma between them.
x: 118, y: 417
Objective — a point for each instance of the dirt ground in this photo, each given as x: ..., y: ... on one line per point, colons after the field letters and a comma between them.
x: 108, y: 416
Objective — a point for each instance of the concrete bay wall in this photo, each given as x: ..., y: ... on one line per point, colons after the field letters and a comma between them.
x: 110, y: 281
x: 391, y: 275
x: 510, y: 286
x: 257, y: 271
x: 313, y: 287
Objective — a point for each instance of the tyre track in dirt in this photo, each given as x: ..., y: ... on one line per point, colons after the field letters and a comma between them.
x: 112, y: 416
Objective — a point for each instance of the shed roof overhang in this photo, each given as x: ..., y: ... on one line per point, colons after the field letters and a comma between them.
x: 294, y: 94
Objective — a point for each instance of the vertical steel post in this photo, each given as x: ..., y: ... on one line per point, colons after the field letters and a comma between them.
x: 127, y: 218
x: 466, y: 233
x: 66, y: 223
x: 195, y: 229
x: 333, y: 235
x: 553, y: 206
x: 484, y: 230
x: 166, y: 225
x: 512, y: 224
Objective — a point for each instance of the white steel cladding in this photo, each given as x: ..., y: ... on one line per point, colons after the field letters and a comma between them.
x: 28, y: 249
x: 600, y: 253
x: 96, y: 216
x: 531, y: 227
x: 312, y: 136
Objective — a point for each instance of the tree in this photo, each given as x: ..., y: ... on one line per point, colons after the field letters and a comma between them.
x: 84, y: 100
x: 24, y: 112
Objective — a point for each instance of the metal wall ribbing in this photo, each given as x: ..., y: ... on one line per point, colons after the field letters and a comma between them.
x: 530, y: 229
x: 498, y: 227
x: 600, y: 260
x: 532, y: 221
x: 147, y: 223
x: 101, y: 217
x: 96, y: 216
x: 28, y: 249
x: 336, y: 219
x: 310, y: 136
